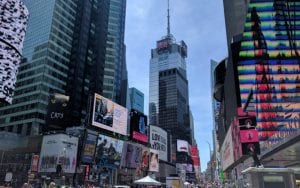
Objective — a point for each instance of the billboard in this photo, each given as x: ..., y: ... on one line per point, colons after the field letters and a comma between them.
x: 109, y: 152
x: 159, y: 141
x: 227, y: 150
x: 109, y: 115
x: 14, y: 16
x: 144, y: 163
x: 138, y: 126
x: 89, y: 147
x: 153, y: 163
x: 182, y: 146
x: 57, y: 110
x: 173, y: 182
x: 34, y: 163
x: 268, y: 70
x: 58, y: 149
x: 132, y: 154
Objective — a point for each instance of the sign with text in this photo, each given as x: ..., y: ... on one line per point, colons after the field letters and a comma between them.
x: 159, y: 141
x: 182, y: 146
x: 227, y: 150
x: 250, y: 135
x: 89, y: 148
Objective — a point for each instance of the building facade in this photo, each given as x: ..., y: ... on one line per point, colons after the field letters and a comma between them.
x: 66, y: 50
x: 136, y: 99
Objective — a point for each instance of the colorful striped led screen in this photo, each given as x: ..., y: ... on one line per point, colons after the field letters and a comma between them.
x: 269, y: 67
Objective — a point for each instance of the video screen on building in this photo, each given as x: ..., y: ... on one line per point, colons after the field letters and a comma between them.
x: 268, y: 69
x: 159, y: 141
x: 132, y: 154
x: 138, y: 126
x: 109, y: 152
x: 109, y: 115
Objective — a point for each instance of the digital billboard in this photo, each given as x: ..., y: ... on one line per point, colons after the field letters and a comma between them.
x: 109, y: 152
x: 144, y: 163
x: 132, y: 154
x: 153, y: 162
x: 182, y: 146
x: 138, y: 126
x: 89, y: 147
x: 14, y: 16
x: 58, y: 149
x: 159, y: 141
x: 109, y: 115
x: 268, y: 69
x: 57, y: 112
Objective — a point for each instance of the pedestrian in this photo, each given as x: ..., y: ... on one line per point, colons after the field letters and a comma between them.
x: 52, y: 185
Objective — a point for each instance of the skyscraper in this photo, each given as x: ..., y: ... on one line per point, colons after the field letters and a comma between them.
x: 65, y: 50
x: 168, y: 86
x: 136, y: 99
x: 115, y: 61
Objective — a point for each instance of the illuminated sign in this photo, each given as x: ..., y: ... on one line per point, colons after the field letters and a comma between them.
x: 138, y: 126
x: 268, y: 69
x: 159, y: 141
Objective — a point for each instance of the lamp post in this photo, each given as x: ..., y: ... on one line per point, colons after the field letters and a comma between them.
x: 211, y: 170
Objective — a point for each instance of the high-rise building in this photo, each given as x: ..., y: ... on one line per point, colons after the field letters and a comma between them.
x: 65, y: 50
x: 168, y: 86
x: 115, y: 53
x: 136, y: 99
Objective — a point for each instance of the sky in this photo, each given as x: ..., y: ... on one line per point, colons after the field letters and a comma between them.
x: 200, y: 23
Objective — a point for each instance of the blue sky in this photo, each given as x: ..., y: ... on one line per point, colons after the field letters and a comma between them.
x: 200, y: 23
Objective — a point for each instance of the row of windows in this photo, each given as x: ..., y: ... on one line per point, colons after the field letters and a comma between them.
x: 29, y: 72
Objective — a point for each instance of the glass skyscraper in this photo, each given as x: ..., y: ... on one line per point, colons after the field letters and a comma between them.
x: 44, y: 69
x: 115, y: 52
x: 136, y: 99
x: 74, y: 48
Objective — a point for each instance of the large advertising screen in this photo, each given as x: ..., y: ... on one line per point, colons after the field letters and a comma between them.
x: 132, y: 154
x: 138, y: 126
x: 89, y: 147
x: 268, y: 70
x: 58, y: 149
x: 182, y: 146
x: 153, y: 164
x: 57, y: 110
x: 159, y: 141
x: 109, y: 115
x: 109, y: 152
x: 14, y: 16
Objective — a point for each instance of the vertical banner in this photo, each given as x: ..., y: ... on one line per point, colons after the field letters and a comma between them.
x: 89, y: 148
x: 153, y: 164
x: 132, y: 154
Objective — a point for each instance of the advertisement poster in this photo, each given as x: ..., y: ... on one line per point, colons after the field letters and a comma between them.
x: 109, y: 115
x: 159, y: 141
x: 227, y: 150
x: 58, y: 149
x: 182, y: 146
x: 132, y: 154
x: 89, y: 148
x: 173, y: 182
x: 14, y: 17
x: 144, y: 163
x: 250, y: 135
x: 138, y: 126
x: 34, y: 163
x: 109, y: 152
x: 153, y: 163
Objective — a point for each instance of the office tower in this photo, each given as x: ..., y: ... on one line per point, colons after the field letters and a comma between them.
x: 136, y: 99
x: 44, y: 70
x: 115, y: 52
x: 66, y: 46
x: 168, y: 87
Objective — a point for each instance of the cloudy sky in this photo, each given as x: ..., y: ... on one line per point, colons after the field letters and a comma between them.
x: 200, y: 23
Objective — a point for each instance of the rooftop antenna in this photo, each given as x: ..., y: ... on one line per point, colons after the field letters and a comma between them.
x: 168, y: 29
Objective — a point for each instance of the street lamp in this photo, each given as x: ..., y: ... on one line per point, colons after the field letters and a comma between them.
x: 211, y: 170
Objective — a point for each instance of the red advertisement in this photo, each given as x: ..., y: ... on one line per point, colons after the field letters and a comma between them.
x: 250, y: 135
x: 196, y: 161
x: 34, y: 163
x: 194, y: 151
